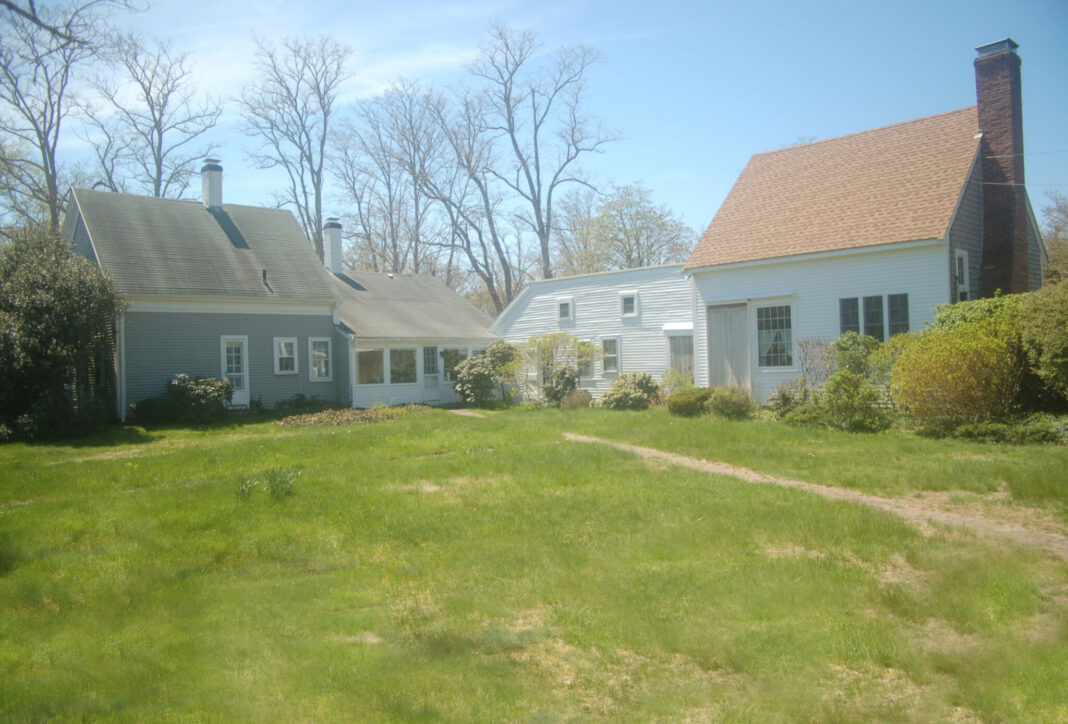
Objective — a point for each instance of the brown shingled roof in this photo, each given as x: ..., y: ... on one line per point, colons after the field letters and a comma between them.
x: 891, y: 184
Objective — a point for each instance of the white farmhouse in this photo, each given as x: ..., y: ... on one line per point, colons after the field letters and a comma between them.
x: 638, y: 319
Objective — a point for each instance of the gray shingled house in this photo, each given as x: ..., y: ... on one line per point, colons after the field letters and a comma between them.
x: 407, y: 332
x: 225, y: 290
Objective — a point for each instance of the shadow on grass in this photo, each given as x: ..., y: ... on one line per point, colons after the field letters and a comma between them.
x: 119, y: 435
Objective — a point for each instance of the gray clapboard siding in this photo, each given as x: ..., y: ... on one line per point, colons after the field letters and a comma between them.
x: 966, y: 233
x: 160, y: 345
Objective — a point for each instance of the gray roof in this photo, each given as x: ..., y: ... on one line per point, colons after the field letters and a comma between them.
x: 168, y: 247
x: 407, y: 306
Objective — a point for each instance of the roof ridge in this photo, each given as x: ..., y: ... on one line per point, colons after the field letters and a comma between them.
x: 865, y: 132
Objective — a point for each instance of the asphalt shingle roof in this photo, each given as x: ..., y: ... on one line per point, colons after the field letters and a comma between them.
x: 174, y: 248
x: 892, y: 184
x: 407, y: 306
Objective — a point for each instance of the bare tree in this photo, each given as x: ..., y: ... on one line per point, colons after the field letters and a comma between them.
x: 577, y: 251
x: 537, y: 115
x: 151, y: 128
x: 633, y: 232
x: 291, y: 109
x: 64, y: 32
x: 37, y: 67
x: 465, y: 188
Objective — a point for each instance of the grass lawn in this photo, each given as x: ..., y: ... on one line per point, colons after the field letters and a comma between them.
x: 437, y: 567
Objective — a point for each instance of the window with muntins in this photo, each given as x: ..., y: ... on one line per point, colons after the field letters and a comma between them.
x: 610, y: 355
x: 628, y: 304
x: 960, y: 276
x: 873, y: 317
x: 320, y: 369
x: 285, y: 355
x: 369, y: 367
x: 775, y: 343
x: 897, y: 307
x: 849, y: 315
x: 401, y: 366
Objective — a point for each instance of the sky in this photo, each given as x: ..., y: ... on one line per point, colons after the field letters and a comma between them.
x: 692, y: 89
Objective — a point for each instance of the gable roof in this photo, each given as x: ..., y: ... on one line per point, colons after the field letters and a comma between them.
x: 173, y: 248
x: 407, y: 306
x: 892, y: 184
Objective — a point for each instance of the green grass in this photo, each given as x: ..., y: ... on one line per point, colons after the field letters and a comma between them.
x: 441, y: 568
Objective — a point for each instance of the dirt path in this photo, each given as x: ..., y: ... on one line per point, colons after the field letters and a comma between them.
x: 915, y: 510
x: 467, y: 413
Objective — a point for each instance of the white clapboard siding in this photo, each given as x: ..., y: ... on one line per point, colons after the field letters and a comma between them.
x: 665, y: 297
x: 812, y: 287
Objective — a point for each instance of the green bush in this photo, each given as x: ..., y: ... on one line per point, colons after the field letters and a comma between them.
x: 561, y: 382
x: 630, y: 391
x: 475, y: 380
x: 575, y: 399
x: 188, y: 400
x: 1044, y: 329
x: 791, y: 395
x: 969, y: 372
x: 689, y: 402
x: 734, y: 403
x: 850, y: 351
x: 1026, y: 432
x: 806, y: 414
x: 852, y: 403
x: 673, y: 381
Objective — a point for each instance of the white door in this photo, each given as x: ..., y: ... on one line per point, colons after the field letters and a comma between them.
x: 728, y: 346
x: 234, y: 352
x: 431, y: 375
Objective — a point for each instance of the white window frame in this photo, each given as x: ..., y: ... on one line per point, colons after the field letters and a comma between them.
x: 618, y: 356
x: 961, y: 282
x: 790, y: 352
x: 312, y: 377
x: 570, y: 302
x: 622, y: 311
x: 278, y: 357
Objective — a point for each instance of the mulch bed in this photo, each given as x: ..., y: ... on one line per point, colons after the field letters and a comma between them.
x: 348, y: 416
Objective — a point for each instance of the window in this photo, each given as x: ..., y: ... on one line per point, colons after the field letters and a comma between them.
x: 873, y: 317
x: 610, y: 355
x: 369, y: 367
x: 319, y: 356
x: 849, y: 315
x: 628, y: 304
x: 775, y: 337
x: 453, y: 357
x: 401, y: 366
x: 285, y: 355
x: 960, y: 276
x: 680, y: 354
x: 897, y: 307
x: 430, y: 361
x: 565, y: 309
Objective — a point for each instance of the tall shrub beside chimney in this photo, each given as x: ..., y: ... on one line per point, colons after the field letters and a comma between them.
x: 997, y: 89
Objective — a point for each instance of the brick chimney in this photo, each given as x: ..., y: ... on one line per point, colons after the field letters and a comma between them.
x: 997, y: 90
x: 332, y: 245
x: 211, y: 183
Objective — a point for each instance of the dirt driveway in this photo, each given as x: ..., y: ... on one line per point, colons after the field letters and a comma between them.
x: 1030, y: 528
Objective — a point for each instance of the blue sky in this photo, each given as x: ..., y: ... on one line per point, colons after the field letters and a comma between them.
x: 692, y: 88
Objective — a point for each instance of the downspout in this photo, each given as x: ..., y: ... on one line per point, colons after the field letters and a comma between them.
x: 352, y: 371
x: 121, y: 391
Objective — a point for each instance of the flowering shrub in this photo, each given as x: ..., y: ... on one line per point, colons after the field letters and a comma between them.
x: 192, y: 400
x: 630, y: 391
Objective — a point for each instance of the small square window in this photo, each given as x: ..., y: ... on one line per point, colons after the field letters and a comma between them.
x: 628, y: 304
x: 565, y: 309
x: 320, y: 369
x: 285, y: 355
